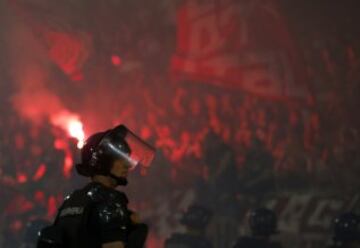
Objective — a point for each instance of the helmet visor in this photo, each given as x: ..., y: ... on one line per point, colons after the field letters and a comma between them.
x: 126, y: 145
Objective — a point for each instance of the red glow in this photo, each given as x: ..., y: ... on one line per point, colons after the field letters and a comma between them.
x: 77, y: 76
x: 40, y: 172
x: 68, y: 160
x: 19, y: 141
x: 21, y: 178
x: 59, y: 144
x: 68, y: 163
x: 52, y: 206
x: 116, y: 60
x: 39, y: 197
x: 16, y: 225
x: 145, y: 133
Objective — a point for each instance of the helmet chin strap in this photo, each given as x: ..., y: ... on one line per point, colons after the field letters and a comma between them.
x: 120, y: 181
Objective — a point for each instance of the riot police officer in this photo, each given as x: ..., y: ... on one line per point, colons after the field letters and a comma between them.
x: 196, y: 219
x: 263, y: 224
x: 346, y: 231
x: 97, y: 215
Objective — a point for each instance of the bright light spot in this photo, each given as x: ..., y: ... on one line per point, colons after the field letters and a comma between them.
x: 76, y: 130
x: 71, y: 124
x: 59, y: 144
x: 116, y: 60
x: 21, y: 178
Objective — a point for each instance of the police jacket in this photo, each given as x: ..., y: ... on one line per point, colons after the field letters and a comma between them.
x: 93, y: 216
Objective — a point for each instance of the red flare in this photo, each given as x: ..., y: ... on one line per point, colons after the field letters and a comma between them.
x: 76, y: 130
x: 72, y: 124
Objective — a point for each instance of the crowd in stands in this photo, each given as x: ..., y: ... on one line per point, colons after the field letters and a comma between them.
x: 205, y: 134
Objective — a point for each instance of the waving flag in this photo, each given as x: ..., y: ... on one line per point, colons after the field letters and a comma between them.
x: 237, y: 44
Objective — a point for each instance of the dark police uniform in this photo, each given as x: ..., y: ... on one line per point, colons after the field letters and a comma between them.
x: 96, y: 215
x: 187, y: 241
x: 346, y: 231
x: 252, y: 242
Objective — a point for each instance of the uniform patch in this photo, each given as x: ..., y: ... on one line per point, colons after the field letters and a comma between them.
x: 71, y: 211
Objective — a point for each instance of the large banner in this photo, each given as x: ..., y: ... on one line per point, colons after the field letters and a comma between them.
x: 55, y: 32
x: 237, y: 44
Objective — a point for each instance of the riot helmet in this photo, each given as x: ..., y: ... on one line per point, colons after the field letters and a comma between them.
x: 346, y: 227
x: 103, y: 148
x: 197, y: 217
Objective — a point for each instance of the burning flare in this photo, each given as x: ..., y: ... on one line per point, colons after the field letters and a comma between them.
x: 72, y: 124
x: 76, y: 130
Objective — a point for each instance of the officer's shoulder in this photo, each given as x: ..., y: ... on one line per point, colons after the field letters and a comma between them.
x: 72, y: 196
x: 101, y: 194
x: 68, y: 196
x: 109, y: 205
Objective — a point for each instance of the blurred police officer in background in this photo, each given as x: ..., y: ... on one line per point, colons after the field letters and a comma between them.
x: 195, y: 220
x: 263, y: 225
x: 346, y: 231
